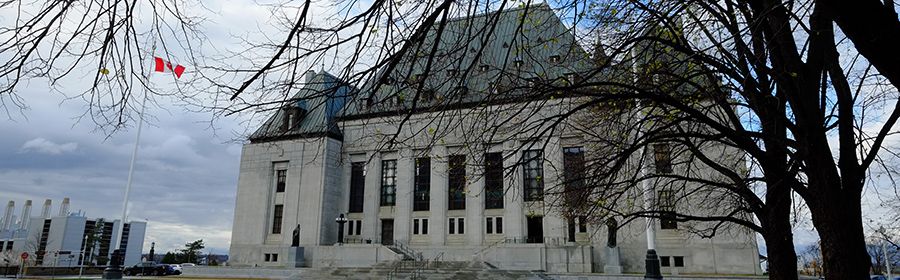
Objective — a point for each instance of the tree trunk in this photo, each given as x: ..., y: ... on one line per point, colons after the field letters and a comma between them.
x: 837, y: 217
x: 780, y: 250
x: 777, y: 232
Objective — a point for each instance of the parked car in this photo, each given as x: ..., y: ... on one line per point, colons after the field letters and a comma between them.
x: 149, y: 269
x: 176, y: 268
x: 188, y: 264
x: 170, y: 270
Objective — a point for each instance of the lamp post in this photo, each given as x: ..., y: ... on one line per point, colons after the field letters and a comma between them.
x: 81, y: 262
x: 341, y: 220
x: 652, y: 261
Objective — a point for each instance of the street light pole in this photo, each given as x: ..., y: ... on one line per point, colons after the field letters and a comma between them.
x: 887, y: 261
x: 652, y: 260
x: 341, y: 220
x: 81, y: 262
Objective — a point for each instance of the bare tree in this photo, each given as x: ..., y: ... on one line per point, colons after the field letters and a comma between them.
x: 111, y: 44
x: 765, y: 82
x: 721, y: 83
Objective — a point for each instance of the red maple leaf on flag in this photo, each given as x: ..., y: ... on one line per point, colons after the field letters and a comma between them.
x: 165, y: 66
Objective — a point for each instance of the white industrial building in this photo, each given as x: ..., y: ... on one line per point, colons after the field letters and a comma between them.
x: 57, y: 240
x: 446, y: 191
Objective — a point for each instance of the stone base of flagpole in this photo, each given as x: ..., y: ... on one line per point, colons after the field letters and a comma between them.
x: 112, y: 273
x: 114, y: 268
x: 652, y: 265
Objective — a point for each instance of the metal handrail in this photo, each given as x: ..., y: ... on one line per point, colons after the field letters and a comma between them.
x: 530, y: 240
x: 481, y: 252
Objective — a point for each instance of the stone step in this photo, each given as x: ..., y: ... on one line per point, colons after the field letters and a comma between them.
x: 427, y: 274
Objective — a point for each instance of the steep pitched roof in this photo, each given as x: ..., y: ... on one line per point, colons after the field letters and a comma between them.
x: 320, y: 100
x: 479, y: 59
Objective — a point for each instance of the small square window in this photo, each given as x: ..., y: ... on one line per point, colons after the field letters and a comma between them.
x: 461, y: 91
x: 573, y: 78
x: 489, y: 226
x: 415, y: 226
x: 532, y: 82
x: 350, y: 228
x: 268, y: 257
x: 428, y: 94
x: 274, y: 257
x: 358, y: 227
x: 664, y: 261
x: 499, y: 227
x: 679, y: 261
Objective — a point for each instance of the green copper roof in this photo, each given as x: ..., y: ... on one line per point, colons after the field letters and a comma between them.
x: 321, y: 98
x: 479, y: 59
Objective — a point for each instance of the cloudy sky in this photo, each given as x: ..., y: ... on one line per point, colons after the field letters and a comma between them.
x: 187, y: 167
x: 184, y: 181
x: 186, y: 172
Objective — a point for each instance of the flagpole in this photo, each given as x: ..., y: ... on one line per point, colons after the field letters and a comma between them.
x: 113, y: 270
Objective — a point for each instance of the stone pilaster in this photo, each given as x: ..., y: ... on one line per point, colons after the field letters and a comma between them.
x: 475, y: 200
x: 438, y: 221
x: 514, y: 216
x: 403, y: 209
x: 555, y: 226
x: 371, y: 224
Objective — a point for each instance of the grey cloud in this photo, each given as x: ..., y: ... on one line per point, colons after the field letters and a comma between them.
x: 44, y: 146
x: 184, y: 181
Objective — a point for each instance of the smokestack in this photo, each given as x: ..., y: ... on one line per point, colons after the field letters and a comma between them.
x: 7, y: 218
x: 64, y: 208
x: 45, y: 213
x: 26, y: 215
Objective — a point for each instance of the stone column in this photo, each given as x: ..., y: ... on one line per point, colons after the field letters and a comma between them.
x: 555, y: 226
x: 346, y: 173
x: 513, y: 201
x: 437, y: 224
x: 371, y: 225
x: 475, y: 200
x: 403, y: 209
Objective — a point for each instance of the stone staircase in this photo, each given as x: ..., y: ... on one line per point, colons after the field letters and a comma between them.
x: 420, y: 270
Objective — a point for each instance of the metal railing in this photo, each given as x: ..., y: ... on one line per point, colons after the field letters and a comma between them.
x: 360, y: 240
x: 412, y: 259
x: 478, y: 255
x: 533, y: 240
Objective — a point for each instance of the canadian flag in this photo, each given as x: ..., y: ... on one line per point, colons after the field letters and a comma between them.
x: 165, y: 66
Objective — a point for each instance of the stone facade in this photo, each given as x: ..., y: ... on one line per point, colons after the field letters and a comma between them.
x: 320, y: 166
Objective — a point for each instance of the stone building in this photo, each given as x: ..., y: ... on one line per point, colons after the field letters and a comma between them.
x: 57, y: 240
x: 473, y: 173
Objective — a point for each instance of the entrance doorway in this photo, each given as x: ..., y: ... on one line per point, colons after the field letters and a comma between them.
x: 387, y: 231
x: 535, y: 229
